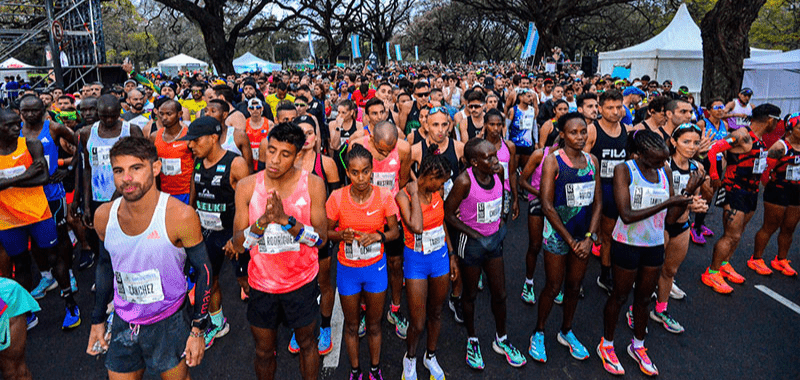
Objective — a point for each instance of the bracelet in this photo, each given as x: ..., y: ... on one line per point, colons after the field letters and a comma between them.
x: 201, y: 334
x: 262, y: 228
x: 383, y: 237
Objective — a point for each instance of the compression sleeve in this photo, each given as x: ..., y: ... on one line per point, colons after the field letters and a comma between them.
x: 198, y: 259
x: 104, y: 284
x: 718, y: 147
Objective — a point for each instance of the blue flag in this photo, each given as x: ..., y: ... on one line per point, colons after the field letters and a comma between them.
x: 388, y: 52
x: 355, y: 43
x: 531, y: 41
x: 397, y: 52
x: 416, y: 52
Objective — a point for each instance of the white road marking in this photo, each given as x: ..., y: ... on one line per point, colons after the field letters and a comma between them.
x: 331, y: 361
x: 779, y: 298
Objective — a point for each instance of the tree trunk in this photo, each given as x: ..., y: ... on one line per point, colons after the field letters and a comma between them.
x: 219, y: 48
x: 725, y: 30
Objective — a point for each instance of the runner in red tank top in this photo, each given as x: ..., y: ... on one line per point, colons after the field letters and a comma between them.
x: 176, y: 157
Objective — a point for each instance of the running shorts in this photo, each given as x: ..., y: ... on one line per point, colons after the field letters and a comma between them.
x: 58, y: 208
x: 215, y: 241
x: 296, y: 309
x: 741, y: 200
x: 524, y: 150
x: 474, y: 252
x: 633, y: 257
x: 535, y: 207
x: 419, y: 266
x: 372, y: 278
x: 158, y: 347
x: 609, y: 203
x: 781, y: 197
x: 675, y: 229
x: 43, y: 233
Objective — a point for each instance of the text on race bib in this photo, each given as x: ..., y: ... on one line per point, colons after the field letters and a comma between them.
x: 210, y: 220
x: 760, y: 163
x: 505, y: 169
x: 276, y: 240
x: 100, y: 155
x: 644, y: 197
x: 384, y: 179
x: 430, y: 240
x: 489, y: 212
x: 171, y: 166
x: 355, y: 251
x: 607, y: 168
x: 447, y: 187
x: 140, y: 288
x: 527, y: 121
x: 580, y: 194
x: 255, y: 154
x: 12, y: 172
x: 679, y: 181
x: 793, y: 173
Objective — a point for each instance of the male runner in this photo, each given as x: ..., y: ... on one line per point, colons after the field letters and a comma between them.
x: 587, y: 106
x: 522, y: 128
x: 631, y: 98
x: 235, y: 118
x: 136, y: 114
x: 176, y: 158
x: 408, y: 117
x: 470, y: 122
x: 232, y: 139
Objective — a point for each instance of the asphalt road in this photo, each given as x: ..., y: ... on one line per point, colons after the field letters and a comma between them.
x: 745, y: 335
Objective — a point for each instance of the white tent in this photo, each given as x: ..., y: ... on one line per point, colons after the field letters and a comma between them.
x: 13, y: 63
x: 675, y: 54
x: 775, y: 79
x: 249, y: 62
x: 181, y: 62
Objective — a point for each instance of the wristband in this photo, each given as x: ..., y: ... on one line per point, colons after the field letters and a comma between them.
x: 308, y: 237
x: 250, y: 239
x: 383, y: 237
x: 200, y: 334
x: 60, y: 162
x: 262, y: 228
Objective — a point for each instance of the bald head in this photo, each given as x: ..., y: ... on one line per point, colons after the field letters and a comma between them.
x: 108, y: 102
x: 31, y: 101
x: 171, y: 105
x: 385, y: 133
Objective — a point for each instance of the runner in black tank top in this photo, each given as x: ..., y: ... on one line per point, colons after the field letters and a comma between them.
x: 215, y: 195
x: 449, y: 154
x: 412, y: 121
x: 471, y: 130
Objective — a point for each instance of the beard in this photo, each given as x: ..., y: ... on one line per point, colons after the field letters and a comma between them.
x: 139, y: 192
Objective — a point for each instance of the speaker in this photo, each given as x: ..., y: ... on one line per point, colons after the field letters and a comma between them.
x: 589, y: 64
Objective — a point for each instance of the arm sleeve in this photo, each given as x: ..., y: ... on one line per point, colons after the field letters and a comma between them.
x: 718, y: 147
x: 198, y: 259
x: 104, y: 283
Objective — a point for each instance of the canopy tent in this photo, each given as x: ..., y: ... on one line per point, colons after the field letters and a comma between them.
x: 181, y: 62
x: 249, y: 62
x: 774, y: 79
x: 675, y: 54
x: 13, y: 63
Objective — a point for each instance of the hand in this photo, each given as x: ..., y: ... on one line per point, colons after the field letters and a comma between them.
x: 365, y: 240
x: 230, y: 250
x: 705, y: 142
x: 678, y: 201
x: 88, y: 218
x: 58, y: 176
x: 73, y: 210
x: 127, y: 67
x: 716, y: 183
x: 244, y: 284
x: 348, y: 235
x: 195, y: 349
x: 584, y: 248
x: 514, y: 210
x: 698, y: 204
x: 97, y: 342
x: 695, y: 180
x: 454, y: 271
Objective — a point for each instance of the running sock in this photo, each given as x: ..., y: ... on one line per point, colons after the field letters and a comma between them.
x: 638, y: 343
x: 529, y: 281
x: 430, y: 354
x: 217, y: 319
x: 48, y: 275
x: 711, y: 271
x: 607, y: 343
x: 375, y: 368
x: 68, y: 298
x: 326, y: 322
x: 355, y: 370
x: 661, y: 307
x: 699, y: 221
x: 395, y: 308
x: 472, y: 339
x: 500, y: 338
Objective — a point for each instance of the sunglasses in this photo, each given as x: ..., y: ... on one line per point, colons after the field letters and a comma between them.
x: 437, y: 109
x: 300, y: 105
x: 718, y: 108
x: 747, y: 93
x: 255, y: 107
x: 422, y: 93
x: 475, y: 106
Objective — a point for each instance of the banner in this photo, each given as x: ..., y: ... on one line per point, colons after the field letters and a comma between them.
x: 416, y: 53
x: 355, y: 43
x: 311, y: 45
x: 531, y: 41
x: 388, y: 52
x: 397, y: 52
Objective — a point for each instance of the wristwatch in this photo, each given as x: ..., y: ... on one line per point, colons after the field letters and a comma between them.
x: 593, y: 236
x: 202, y: 324
x: 290, y: 225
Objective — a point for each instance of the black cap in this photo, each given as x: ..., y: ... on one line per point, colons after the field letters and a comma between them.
x: 202, y: 126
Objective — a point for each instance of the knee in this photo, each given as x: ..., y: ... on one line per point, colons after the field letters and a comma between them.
x: 667, y: 272
x: 618, y: 299
x: 351, y: 328
x: 468, y: 295
x: 374, y: 328
x: 396, y: 262
x: 572, y: 289
x: 305, y: 341
x: 418, y: 325
x: 499, y: 296
x: 264, y: 353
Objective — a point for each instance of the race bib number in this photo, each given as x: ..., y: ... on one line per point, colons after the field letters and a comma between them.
x: 793, y: 173
x: 607, y: 168
x: 140, y: 288
x: 447, y: 187
x: 210, y: 220
x: 355, y: 251
x: 384, y: 180
x: 433, y: 240
x: 171, y: 166
x: 255, y: 154
x: 527, y: 122
x: 760, y: 163
x: 101, y: 155
x: 505, y: 170
x: 580, y: 194
x: 489, y: 212
x: 12, y: 172
x: 276, y: 240
x: 644, y: 197
x: 679, y: 181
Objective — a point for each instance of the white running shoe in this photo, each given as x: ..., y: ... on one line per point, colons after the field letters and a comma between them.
x: 409, y: 368
x: 433, y: 366
x: 676, y: 293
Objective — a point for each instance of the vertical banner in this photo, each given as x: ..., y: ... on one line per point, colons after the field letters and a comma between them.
x: 356, y: 45
x: 531, y: 41
x: 388, y: 52
x: 397, y: 52
x: 311, y: 45
x: 416, y: 53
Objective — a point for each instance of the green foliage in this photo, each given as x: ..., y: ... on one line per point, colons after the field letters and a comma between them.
x: 126, y: 34
x: 777, y: 26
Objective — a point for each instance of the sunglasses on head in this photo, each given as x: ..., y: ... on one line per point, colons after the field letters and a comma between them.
x: 687, y: 125
x: 437, y: 109
x: 718, y: 107
x: 747, y: 92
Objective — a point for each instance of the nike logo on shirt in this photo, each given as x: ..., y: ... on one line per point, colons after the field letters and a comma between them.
x: 381, y: 267
x: 434, y: 205
x: 17, y: 157
x: 370, y: 213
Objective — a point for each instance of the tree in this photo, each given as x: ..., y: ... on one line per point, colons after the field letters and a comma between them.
x: 725, y: 32
x: 333, y: 21
x: 383, y: 17
x: 125, y: 34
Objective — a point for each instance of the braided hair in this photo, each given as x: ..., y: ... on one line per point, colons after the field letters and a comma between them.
x: 433, y: 164
x: 643, y: 141
x: 358, y: 151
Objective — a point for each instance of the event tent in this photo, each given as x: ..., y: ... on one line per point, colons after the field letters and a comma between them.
x: 181, y: 62
x: 249, y: 62
x: 13, y: 63
x: 775, y: 79
x: 675, y: 54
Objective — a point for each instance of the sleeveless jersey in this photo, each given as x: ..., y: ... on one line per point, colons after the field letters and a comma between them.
x: 229, y: 142
x: 149, y: 281
x: 573, y: 198
x: 523, y: 127
x: 20, y: 206
x: 432, y: 237
x: 786, y: 174
x: 680, y: 177
x: 452, y: 160
x: 644, y: 194
x: 744, y: 169
x: 215, y: 196
x: 53, y: 191
x: 176, y: 163
x: 345, y: 134
x: 472, y: 131
x: 739, y: 122
x: 412, y: 120
x: 482, y: 208
x: 715, y: 133
x: 551, y: 137
x: 504, y: 157
x: 536, y: 177
x: 99, y: 149
x: 255, y: 136
x: 386, y: 172
x: 610, y: 151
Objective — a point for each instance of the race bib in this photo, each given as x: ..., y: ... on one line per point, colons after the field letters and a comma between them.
x: 140, y: 288
x: 580, y: 194
x: 489, y: 212
x: 170, y: 166
x: 644, y: 197
x: 607, y: 168
x: 505, y: 170
x: 101, y: 156
x: 210, y: 220
x: 793, y: 173
x: 355, y: 251
x: 679, y: 181
x: 384, y: 180
x: 255, y: 154
x: 527, y: 122
x: 12, y: 172
x: 447, y: 187
x: 760, y: 163
x: 433, y: 240
x: 276, y: 240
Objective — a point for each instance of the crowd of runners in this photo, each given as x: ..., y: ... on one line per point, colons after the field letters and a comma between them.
x: 401, y: 182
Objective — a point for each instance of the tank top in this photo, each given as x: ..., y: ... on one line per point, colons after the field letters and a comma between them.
x: 99, y: 149
x: 255, y: 136
x: 52, y: 191
x: 176, y: 163
x: 215, y: 196
x: 20, y: 206
x: 744, y: 169
x: 536, y: 177
x: 644, y: 194
x: 386, y: 172
x: 739, y: 122
x: 680, y: 177
x: 279, y: 264
x: 472, y: 131
x: 482, y: 208
x: 523, y: 127
x: 715, y: 133
x: 412, y: 120
x: 452, y: 160
x: 149, y: 281
x: 432, y: 237
x: 504, y: 156
x: 610, y: 151
x: 345, y: 134
x: 230, y: 142
x: 573, y: 197
x: 551, y: 137
x: 786, y: 174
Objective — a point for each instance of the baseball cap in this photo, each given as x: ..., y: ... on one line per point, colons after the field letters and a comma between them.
x: 746, y: 91
x: 202, y: 126
x: 683, y: 90
x: 633, y: 91
x: 254, y: 102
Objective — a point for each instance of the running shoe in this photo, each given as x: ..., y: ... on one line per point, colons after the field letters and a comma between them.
x: 667, y: 321
x: 513, y: 356
x: 705, y: 231
x: 596, y: 250
x: 45, y: 285
x: 218, y: 332
x: 640, y: 355
x: 629, y: 318
x: 676, y: 293
x: 609, y: 358
x: 559, y: 298
x: 759, y: 266
x: 576, y: 349
x: 697, y: 237
x: 293, y: 346
x: 399, y: 321
x: 480, y: 282
x: 86, y: 260
x: 73, y: 283
x: 72, y: 318
x: 31, y: 320
x: 536, y: 349
x: 605, y: 283
x: 474, y: 357
x: 433, y: 366
x: 356, y: 376
x: 716, y: 282
x: 244, y: 296
x: 375, y: 375
x: 783, y: 267
x: 527, y: 294
x: 409, y: 368
x: 362, y: 325
x: 458, y: 310
x: 730, y: 274
x: 324, y: 345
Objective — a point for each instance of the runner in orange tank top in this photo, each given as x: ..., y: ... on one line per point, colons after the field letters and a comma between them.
x: 176, y: 157
x: 256, y: 128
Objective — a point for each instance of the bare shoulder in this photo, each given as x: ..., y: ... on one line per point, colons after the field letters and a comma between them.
x: 101, y: 216
x: 179, y: 213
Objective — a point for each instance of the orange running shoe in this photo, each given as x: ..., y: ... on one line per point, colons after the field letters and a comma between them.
x: 596, y: 250
x: 716, y: 282
x: 610, y: 361
x: 783, y: 267
x: 759, y: 266
x: 730, y: 274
